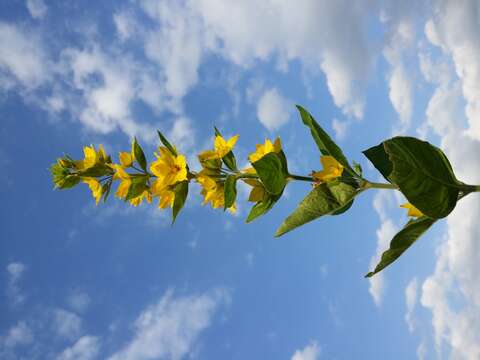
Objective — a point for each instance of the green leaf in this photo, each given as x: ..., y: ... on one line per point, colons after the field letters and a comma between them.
x: 181, y: 192
x: 106, y: 189
x: 68, y: 181
x: 165, y: 142
x: 283, y: 159
x: 262, y: 207
x: 424, y: 175
x: 331, y: 198
x: 379, y: 158
x: 270, y: 170
x: 139, y: 155
x: 402, y: 241
x: 230, y: 191
x: 324, y: 142
x: 357, y: 168
x: 137, y: 187
x: 96, y: 170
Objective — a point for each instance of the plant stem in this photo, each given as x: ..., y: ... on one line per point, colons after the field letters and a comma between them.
x: 374, y: 185
x: 301, y: 178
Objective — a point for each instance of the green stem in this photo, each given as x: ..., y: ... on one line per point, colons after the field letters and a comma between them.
x: 374, y: 185
x: 301, y: 178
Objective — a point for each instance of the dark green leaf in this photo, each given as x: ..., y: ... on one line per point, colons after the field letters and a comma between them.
x: 229, y: 161
x: 423, y: 174
x: 165, y: 142
x: 331, y: 198
x: 324, y: 142
x: 181, y: 191
x: 379, y: 158
x: 139, y: 155
x: 68, y: 181
x: 106, y: 189
x: 283, y: 159
x: 262, y: 207
x: 230, y: 191
x: 96, y: 170
x: 270, y: 170
x: 402, y: 241
x: 137, y: 187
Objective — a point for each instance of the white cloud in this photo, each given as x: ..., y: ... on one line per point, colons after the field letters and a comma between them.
x: 86, y: 348
x: 454, y: 27
x: 309, y: 352
x: 410, y: 302
x: 67, y: 324
x: 15, y: 272
x: 451, y: 292
x: 245, y: 32
x: 78, y: 300
x: 382, y: 201
x: 20, y: 334
x: 340, y: 128
x: 125, y: 23
x: 170, y: 328
x: 273, y: 110
x: 37, y: 8
x: 22, y: 58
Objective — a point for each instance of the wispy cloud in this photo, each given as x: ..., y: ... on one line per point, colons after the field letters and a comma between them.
x: 14, y: 292
x: 170, y: 328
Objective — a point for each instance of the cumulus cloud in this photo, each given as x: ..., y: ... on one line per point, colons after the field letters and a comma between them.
x: 273, y: 110
x: 15, y: 272
x: 451, y: 292
x: 86, y: 348
x: 320, y: 39
x: 170, y: 328
x: 309, y: 352
x: 22, y: 58
x: 37, y: 8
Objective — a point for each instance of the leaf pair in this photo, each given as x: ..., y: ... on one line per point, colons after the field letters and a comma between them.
x: 331, y: 198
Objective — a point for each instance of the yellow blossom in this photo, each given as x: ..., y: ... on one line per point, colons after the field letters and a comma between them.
x: 264, y: 149
x: 213, y: 192
x: 412, y: 210
x: 139, y: 199
x: 125, y: 181
x: 167, y: 197
x: 126, y: 158
x: 168, y: 168
x: 331, y: 169
x: 222, y: 148
x: 95, y: 187
x: 91, y: 157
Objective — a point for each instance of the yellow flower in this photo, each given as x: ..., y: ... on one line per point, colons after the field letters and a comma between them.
x: 139, y: 199
x: 168, y: 168
x: 213, y: 192
x: 222, y: 148
x: 267, y: 147
x: 91, y: 157
x: 412, y: 210
x: 126, y: 158
x: 95, y: 187
x: 166, y: 198
x: 331, y: 169
x: 125, y: 181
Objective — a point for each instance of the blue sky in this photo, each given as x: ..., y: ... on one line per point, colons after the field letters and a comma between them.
x: 80, y: 281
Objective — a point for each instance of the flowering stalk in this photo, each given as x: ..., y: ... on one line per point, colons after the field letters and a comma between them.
x: 419, y: 170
